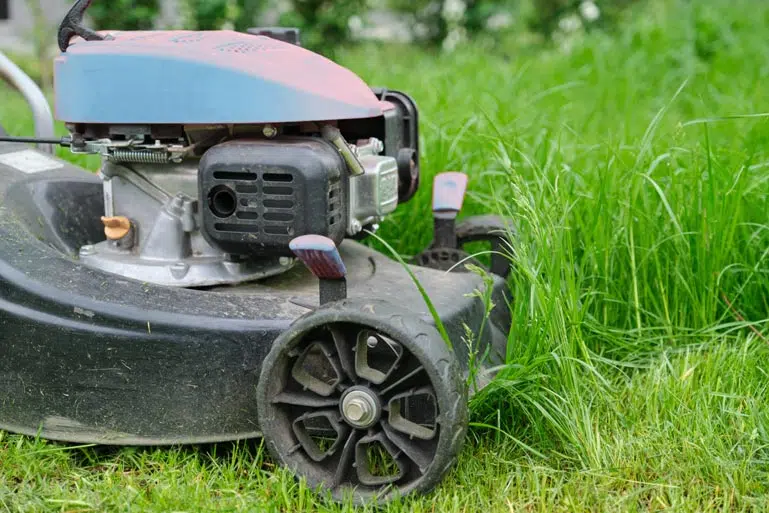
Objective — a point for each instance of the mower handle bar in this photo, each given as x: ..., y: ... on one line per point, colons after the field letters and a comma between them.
x: 38, y: 103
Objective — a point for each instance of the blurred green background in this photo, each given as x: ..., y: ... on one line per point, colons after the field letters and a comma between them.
x: 327, y: 26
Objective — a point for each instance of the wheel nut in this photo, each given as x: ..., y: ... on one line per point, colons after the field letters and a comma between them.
x: 360, y: 407
x: 355, y: 410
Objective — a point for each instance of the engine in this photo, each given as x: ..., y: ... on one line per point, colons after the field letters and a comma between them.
x: 220, y: 147
x: 197, y: 206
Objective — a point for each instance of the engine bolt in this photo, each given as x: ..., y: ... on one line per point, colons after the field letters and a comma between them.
x: 179, y: 270
x: 284, y: 261
x: 87, y: 250
x: 269, y: 131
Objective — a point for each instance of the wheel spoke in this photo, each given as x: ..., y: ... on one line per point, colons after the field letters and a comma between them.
x: 344, y: 352
x: 402, y: 380
x: 346, y: 458
x: 307, y: 399
x: 418, y: 455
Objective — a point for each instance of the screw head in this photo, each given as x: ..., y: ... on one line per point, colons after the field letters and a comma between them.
x: 355, y: 410
x: 179, y: 270
x: 269, y: 131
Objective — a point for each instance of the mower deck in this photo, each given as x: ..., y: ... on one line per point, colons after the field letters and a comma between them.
x: 88, y: 357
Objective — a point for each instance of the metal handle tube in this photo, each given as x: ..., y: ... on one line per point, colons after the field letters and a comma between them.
x: 41, y: 111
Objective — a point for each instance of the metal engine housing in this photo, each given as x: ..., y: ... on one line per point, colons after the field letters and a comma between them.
x: 164, y: 245
x: 227, y: 216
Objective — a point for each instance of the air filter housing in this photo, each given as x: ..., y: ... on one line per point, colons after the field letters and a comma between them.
x: 258, y: 195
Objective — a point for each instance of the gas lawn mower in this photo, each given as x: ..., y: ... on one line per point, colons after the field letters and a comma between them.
x: 210, y: 284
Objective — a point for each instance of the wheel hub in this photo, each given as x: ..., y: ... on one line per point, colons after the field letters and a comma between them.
x: 360, y: 407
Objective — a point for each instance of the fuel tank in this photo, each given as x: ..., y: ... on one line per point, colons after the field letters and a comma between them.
x: 184, y: 77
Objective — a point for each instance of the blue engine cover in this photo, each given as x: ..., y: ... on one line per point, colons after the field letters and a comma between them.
x: 182, y: 77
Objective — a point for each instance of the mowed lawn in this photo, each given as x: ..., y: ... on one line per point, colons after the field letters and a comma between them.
x: 636, y: 167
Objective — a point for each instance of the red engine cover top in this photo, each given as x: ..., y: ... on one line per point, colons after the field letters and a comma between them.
x: 204, y: 77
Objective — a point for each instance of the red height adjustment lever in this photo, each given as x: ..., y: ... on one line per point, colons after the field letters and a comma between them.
x: 448, y: 196
x: 322, y: 258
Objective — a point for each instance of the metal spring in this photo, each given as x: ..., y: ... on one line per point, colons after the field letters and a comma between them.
x: 139, y: 156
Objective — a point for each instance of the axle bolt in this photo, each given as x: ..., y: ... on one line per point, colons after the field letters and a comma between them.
x: 360, y: 407
x: 356, y: 410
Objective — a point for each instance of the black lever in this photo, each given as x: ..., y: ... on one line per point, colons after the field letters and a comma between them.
x: 72, y: 25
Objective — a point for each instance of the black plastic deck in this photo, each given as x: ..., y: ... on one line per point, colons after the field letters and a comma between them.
x: 93, y: 358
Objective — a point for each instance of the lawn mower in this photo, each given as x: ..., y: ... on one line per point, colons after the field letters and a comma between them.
x: 212, y: 281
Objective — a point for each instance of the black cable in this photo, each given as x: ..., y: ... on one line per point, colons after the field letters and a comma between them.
x: 64, y: 141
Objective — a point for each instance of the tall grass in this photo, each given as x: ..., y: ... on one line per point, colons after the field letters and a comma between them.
x: 642, y: 223
x: 634, y: 166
